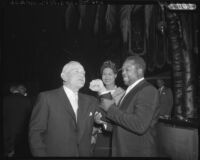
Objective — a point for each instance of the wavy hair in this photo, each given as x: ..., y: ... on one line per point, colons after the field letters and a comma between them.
x: 109, y: 64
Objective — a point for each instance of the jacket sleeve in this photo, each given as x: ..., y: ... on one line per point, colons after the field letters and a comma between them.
x: 38, y: 126
x: 145, y: 107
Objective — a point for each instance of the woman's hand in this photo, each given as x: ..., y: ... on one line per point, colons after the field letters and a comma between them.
x: 97, y: 118
x: 97, y: 86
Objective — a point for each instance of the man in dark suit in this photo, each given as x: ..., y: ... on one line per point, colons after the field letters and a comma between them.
x: 134, y: 120
x: 165, y: 98
x: 62, y: 119
x: 16, y: 113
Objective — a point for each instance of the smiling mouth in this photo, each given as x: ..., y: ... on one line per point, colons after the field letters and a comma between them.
x: 107, y: 80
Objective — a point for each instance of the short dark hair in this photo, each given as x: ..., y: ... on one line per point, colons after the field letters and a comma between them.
x: 138, y: 61
x: 108, y: 64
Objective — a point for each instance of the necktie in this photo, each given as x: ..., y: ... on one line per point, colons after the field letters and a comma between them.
x: 160, y: 90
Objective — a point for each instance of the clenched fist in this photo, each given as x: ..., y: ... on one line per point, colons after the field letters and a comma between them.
x: 97, y: 86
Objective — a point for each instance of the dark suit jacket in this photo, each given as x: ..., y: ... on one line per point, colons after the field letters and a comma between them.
x: 16, y: 113
x: 134, y: 133
x: 166, y: 101
x: 53, y: 127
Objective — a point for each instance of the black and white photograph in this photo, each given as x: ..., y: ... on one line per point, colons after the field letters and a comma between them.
x: 100, y: 79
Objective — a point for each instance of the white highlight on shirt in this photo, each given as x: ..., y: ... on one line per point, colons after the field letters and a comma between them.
x: 73, y: 98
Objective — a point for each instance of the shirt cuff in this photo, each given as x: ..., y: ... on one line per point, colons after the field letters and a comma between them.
x: 105, y: 92
x: 105, y: 126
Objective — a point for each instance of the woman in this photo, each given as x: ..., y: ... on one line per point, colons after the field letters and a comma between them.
x: 103, y: 138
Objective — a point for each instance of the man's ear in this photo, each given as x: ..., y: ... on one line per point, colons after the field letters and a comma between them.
x: 63, y: 76
x: 140, y: 71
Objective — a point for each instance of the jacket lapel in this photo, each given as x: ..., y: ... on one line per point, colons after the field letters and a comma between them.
x: 131, y: 94
x: 82, y: 114
x: 66, y: 103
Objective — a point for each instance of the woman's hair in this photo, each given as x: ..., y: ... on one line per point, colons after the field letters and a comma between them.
x: 108, y: 64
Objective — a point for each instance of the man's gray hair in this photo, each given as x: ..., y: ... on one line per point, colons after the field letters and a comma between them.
x: 67, y: 67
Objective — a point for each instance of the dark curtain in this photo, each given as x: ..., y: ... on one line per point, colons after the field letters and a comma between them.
x: 180, y: 30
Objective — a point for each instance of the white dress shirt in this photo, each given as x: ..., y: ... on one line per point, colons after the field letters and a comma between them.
x: 161, y: 89
x: 73, y: 98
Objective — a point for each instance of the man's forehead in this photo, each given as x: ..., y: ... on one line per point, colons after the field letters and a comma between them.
x: 128, y: 63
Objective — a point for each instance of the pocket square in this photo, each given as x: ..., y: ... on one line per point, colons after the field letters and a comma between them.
x: 90, y: 114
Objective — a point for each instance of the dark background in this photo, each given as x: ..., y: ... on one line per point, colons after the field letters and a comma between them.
x: 36, y: 45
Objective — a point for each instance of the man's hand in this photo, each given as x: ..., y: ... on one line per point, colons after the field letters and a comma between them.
x: 97, y: 86
x: 97, y: 118
x: 106, y: 104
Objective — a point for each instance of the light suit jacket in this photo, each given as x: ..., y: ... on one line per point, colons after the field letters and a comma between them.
x: 53, y: 127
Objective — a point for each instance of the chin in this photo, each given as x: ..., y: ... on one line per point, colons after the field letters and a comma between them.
x: 108, y: 83
x: 81, y: 85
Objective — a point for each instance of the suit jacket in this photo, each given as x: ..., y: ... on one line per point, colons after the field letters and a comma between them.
x: 166, y: 101
x: 134, y: 131
x: 53, y: 127
x: 16, y: 113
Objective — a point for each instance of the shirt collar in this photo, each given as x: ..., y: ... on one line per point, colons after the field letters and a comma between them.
x: 69, y: 91
x: 161, y: 88
x: 133, y: 85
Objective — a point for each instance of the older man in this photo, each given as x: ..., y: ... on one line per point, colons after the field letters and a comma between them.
x: 62, y: 119
x: 134, y: 133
